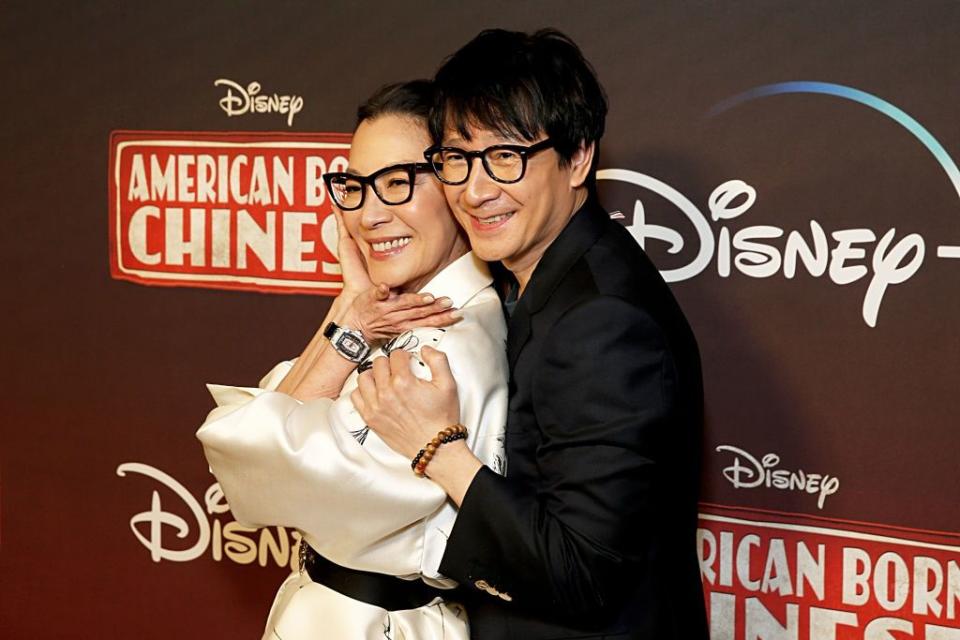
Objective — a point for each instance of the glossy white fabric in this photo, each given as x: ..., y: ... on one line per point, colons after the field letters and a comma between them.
x: 300, y: 464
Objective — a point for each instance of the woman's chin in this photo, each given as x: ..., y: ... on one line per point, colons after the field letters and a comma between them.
x: 388, y: 277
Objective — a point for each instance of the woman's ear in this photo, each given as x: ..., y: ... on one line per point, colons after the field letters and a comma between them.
x: 580, y: 163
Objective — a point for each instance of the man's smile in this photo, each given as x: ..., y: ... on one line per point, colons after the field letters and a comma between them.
x: 489, y: 224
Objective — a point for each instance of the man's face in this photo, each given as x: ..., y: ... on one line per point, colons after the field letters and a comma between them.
x: 514, y: 223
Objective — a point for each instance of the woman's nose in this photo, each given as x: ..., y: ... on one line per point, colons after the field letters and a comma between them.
x: 373, y: 213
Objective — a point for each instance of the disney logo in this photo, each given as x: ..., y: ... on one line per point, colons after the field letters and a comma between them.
x: 764, y: 251
x: 221, y: 538
x: 746, y: 472
x: 249, y: 100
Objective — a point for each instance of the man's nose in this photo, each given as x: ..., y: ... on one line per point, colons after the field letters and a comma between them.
x: 480, y: 187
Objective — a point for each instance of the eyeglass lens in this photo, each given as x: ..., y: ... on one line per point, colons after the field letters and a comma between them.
x: 453, y: 165
x: 392, y: 187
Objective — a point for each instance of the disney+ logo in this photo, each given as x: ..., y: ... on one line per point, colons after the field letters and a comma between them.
x: 844, y: 256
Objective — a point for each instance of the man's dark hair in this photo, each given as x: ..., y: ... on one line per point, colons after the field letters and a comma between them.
x: 413, y: 98
x: 521, y: 86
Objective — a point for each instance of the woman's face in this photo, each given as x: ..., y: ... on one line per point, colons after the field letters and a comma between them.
x: 404, y: 245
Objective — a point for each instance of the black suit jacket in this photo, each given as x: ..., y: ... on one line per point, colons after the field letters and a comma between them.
x: 591, y: 533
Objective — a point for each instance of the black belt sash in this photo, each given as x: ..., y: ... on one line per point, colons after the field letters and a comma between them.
x: 387, y: 592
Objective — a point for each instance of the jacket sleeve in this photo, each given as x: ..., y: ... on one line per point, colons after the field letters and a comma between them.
x: 311, y: 466
x: 602, y: 395
x: 314, y: 465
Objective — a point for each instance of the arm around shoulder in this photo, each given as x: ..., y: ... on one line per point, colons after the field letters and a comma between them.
x: 602, y: 401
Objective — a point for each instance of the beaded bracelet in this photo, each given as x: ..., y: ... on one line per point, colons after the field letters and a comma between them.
x: 422, y: 459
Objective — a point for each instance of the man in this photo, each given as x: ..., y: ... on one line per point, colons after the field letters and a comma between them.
x: 591, y: 532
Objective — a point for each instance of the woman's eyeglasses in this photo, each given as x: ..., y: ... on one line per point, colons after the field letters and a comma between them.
x: 504, y: 163
x: 393, y: 185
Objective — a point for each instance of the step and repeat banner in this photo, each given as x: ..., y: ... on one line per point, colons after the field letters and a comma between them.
x: 790, y: 167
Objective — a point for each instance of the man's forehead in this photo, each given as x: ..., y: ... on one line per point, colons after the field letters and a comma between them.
x: 479, y: 135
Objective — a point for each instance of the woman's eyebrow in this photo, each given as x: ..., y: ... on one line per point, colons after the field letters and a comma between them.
x: 398, y: 163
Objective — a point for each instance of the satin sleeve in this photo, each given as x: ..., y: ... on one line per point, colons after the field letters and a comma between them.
x: 316, y: 467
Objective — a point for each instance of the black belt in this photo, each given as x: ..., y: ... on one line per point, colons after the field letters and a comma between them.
x: 387, y: 592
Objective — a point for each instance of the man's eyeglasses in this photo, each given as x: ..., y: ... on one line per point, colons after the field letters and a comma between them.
x: 504, y: 163
x: 393, y: 185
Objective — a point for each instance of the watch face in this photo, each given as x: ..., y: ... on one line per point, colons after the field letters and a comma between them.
x: 350, y: 345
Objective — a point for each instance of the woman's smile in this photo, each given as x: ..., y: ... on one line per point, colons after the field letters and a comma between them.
x: 386, y: 248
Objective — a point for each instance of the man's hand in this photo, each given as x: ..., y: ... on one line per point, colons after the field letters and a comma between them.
x: 405, y: 411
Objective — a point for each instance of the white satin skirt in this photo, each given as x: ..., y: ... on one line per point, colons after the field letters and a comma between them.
x: 306, y: 610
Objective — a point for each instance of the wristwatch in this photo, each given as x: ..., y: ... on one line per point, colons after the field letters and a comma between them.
x: 347, y: 342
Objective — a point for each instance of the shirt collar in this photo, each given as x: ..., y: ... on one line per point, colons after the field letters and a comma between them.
x: 460, y: 280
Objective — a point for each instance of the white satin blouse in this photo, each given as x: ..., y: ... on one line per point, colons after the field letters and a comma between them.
x: 316, y: 467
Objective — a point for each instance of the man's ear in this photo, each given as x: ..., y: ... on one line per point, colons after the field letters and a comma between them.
x: 580, y: 163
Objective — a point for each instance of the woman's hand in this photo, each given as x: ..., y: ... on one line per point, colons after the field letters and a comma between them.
x: 374, y: 310
x: 381, y: 314
x: 352, y: 265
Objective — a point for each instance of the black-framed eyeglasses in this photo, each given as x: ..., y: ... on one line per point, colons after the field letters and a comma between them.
x: 506, y: 163
x: 393, y: 185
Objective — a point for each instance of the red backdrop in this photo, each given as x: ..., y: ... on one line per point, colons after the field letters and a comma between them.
x: 789, y: 166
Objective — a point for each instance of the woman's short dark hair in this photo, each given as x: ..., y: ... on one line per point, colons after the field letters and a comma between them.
x: 521, y: 86
x: 413, y: 98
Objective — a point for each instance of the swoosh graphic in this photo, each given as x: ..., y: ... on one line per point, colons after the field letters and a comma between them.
x: 849, y: 93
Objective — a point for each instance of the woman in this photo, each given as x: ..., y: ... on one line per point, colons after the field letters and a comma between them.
x: 294, y: 451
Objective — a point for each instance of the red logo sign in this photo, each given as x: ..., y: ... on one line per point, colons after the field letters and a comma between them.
x: 225, y: 210
x: 789, y: 576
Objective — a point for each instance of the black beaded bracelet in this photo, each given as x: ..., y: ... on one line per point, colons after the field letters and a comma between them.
x: 455, y: 436
x: 443, y: 440
x: 416, y: 459
x: 422, y: 459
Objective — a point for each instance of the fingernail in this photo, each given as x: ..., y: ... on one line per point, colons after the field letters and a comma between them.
x: 456, y: 314
x: 428, y: 298
x: 446, y: 302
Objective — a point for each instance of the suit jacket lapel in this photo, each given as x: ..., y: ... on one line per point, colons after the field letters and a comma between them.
x: 581, y: 233
x: 518, y: 332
